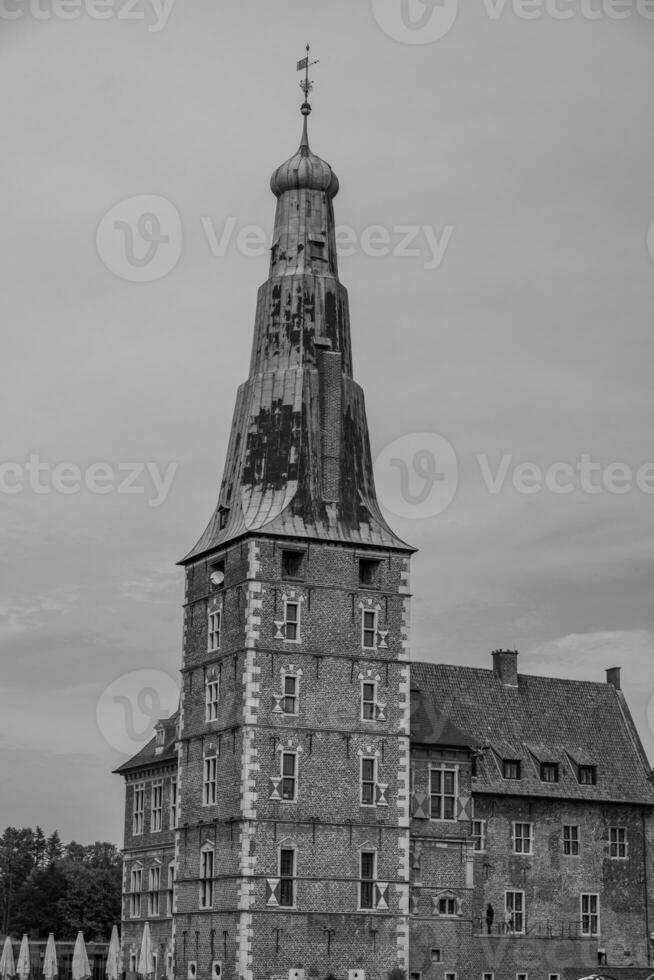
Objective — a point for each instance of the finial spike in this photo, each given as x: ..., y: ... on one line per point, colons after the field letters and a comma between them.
x: 306, y: 85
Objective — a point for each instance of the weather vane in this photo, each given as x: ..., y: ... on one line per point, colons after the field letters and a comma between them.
x: 305, y: 84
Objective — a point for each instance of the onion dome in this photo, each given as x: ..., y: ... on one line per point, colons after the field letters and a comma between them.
x: 304, y: 171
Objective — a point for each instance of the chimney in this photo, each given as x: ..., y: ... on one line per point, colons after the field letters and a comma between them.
x: 613, y: 677
x: 505, y: 666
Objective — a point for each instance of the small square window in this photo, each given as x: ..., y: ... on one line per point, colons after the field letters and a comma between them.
x: 511, y: 769
x: 436, y: 954
x: 369, y: 572
x: 488, y: 976
x: 217, y: 574
x: 450, y: 976
x: 292, y: 564
x: 522, y: 976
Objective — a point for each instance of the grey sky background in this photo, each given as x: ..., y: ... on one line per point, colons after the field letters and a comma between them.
x: 531, y: 139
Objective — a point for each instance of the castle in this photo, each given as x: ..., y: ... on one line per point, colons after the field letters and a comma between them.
x: 320, y: 805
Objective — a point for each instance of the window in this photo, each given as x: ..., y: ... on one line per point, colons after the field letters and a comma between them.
x: 488, y: 976
x: 135, y: 885
x: 367, y: 884
x: 289, y: 703
x: 217, y: 574
x: 154, y: 884
x: 590, y: 915
x: 138, y: 809
x: 479, y: 834
x: 450, y: 976
x: 511, y: 769
x: 292, y: 621
x: 368, y: 700
x: 554, y: 976
x: 369, y: 629
x: 436, y: 954
x: 369, y: 569
x: 206, y: 877
x: 443, y: 793
x: 211, y: 698
x: 447, y: 905
x: 215, y: 619
x: 522, y: 976
x: 156, y: 807
x: 618, y: 842
x: 368, y: 767
x: 172, y: 816
x: 523, y: 835
x: 317, y: 249
x: 571, y: 840
x: 292, y: 564
x: 549, y: 772
x: 170, y: 892
x: 289, y: 775
x: 587, y: 775
x: 210, y: 783
x: 287, y: 877
x: 514, y: 912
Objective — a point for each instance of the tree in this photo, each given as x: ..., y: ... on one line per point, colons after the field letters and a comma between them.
x: 40, y: 846
x: 36, y: 908
x: 54, y: 849
x: 16, y: 864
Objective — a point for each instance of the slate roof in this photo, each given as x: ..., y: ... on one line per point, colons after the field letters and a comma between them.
x: 147, y: 757
x: 544, y: 719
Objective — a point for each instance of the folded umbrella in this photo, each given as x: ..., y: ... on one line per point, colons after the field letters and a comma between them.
x: 7, y: 965
x: 81, y: 968
x: 50, y: 968
x: 112, y: 968
x: 146, y: 962
x: 23, y: 965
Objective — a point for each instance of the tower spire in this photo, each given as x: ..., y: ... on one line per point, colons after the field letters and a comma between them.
x: 307, y: 86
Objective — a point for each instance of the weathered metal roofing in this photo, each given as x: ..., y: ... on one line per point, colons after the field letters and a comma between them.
x: 299, y: 461
x: 543, y: 719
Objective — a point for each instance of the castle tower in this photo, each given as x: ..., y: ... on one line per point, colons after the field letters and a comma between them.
x: 292, y: 844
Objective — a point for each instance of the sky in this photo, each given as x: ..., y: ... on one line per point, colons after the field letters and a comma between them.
x: 497, y: 202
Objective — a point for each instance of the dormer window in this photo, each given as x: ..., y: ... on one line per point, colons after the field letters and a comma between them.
x: 317, y: 247
x: 217, y: 574
x: 511, y: 769
x: 549, y: 772
x: 160, y: 739
x: 223, y: 514
x: 587, y: 775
